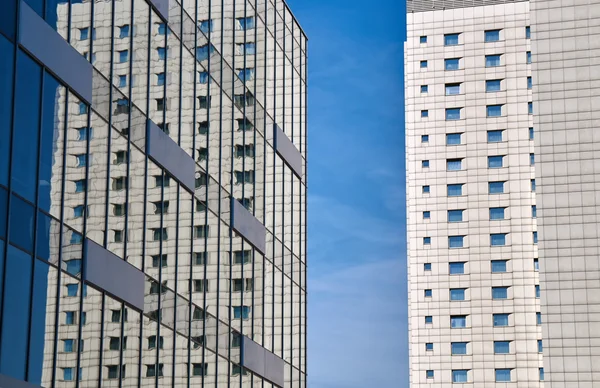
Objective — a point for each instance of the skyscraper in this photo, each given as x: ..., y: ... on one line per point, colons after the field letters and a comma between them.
x: 474, y: 307
x: 152, y: 194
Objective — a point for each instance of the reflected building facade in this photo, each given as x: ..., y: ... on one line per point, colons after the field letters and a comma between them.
x: 152, y: 194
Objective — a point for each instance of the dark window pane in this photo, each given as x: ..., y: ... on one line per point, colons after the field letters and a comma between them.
x: 8, y: 18
x: 26, y: 123
x: 6, y: 100
x: 42, y: 244
x: 21, y: 223
x: 38, y: 322
x: 3, y: 211
x: 13, y: 353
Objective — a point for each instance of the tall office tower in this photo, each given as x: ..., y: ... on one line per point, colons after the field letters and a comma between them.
x: 472, y: 238
x: 565, y: 46
x: 152, y: 194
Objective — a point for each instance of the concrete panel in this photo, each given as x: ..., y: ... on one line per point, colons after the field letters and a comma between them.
x: 248, y: 226
x: 164, y: 151
x: 114, y: 275
x: 41, y: 41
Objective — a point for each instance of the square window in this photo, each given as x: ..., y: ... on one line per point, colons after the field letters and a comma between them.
x: 454, y: 164
x: 498, y: 239
x: 124, y: 31
x: 455, y: 189
x: 494, y: 110
x: 458, y: 321
x: 427, y: 267
x: 458, y: 348
x: 429, y: 374
x: 460, y: 376
x: 502, y: 375
x: 450, y: 39
x: 492, y: 35
x: 499, y: 266
x: 494, y: 136
x: 453, y: 138
x: 429, y: 346
x: 428, y: 319
x: 455, y: 215
x: 206, y: 26
x: 500, y: 320
x: 423, y: 64
x: 425, y: 113
x: 426, y: 240
x: 492, y: 60
x: 426, y: 189
x: 456, y: 241
x: 428, y: 293
x: 422, y: 39
x: 84, y: 33
x: 457, y: 294
x: 499, y: 292
x: 527, y: 32
x: 495, y: 161
x: 424, y: 138
x: 426, y: 215
x: 425, y: 163
x: 529, y: 83
x: 496, y: 187
x: 72, y: 289
x: 497, y: 213
x: 83, y: 109
x: 424, y: 88
x: 493, y: 85
x: 452, y: 64
x: 457, y: 268
x: 68, y: 345
x: 452, y: 89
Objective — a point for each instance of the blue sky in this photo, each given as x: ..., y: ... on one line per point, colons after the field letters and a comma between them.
x: 357, y: 260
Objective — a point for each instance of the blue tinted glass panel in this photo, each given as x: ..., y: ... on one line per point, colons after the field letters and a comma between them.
x: 6, y: 98
x: 455, y: 241
x: 73, y: 266
x: 429, y: 374
x: 15, y: 331
x: 424, y: 88
x: 493, y: 85
x: 457, y: 294
x: 426, y: 240
x: 124, y: 31
x: 42, y: 236
x: 68, y: 374
x: 424, y: 138
x: 495, y: 161
x: 424, y: 113
x: 496, y: 187
x: 3, y: 211
x: 459, y: 348
x: 530, y: 108
x: 533, y: 211
x: 21, y: 223
x: 498, y: 265
x: 423, y: 64
x: 533, y: 185
x: 535, y: 238
x: 452, y: 64
x: 455, y: 190
x: 494, y: 110
x: 498, y: 239
x: 427, y: 267
x: 453, y: 138
x: 428, y: 293
x: 492, y: 35
x: 429, y: 346
x: 492, y: 60
x: 72, y: 289
x: 162, y: 28
x: 26, y: 124
x: 541, y: 374
x: 458, y: 321
x: 537, y: 290
x: 454, y: 164
x: 459, y: 376
x: 426, y: 215
x: 37, y: 339
x: 8, y: 18
x: 536, y: 264
x: 426, y: 189
x: 422, y: 39
x: 456, y: 268
x: 496, y: 213
x: 455, y: 215
x: 68, y: 345
x: 494, y: 136
x: 499, y: 292
x: 530, y: 133
x: 453, y: 114
x: 450, y: 39
x: 528, y: 56
x: 429, y: 319
x: 84, y: 33
x: 500, y: 320
x: 425, y: 163
x: 123, y: 56
x: 452, y: 89
x: 529, y: 83
x: 49, y: 137
x: 502, y: 375
x: 528, y: 32
x: 540, y: 346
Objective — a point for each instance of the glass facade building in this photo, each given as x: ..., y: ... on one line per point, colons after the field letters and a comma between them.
x: 152, y: 194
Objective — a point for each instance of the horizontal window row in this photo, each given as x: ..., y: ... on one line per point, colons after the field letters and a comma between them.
x: 456, y: 189
x: 502, y: 375
x: 491, y: 60
x: 498, y: 320
x: 497, y: 266
x: 493, y: 136
x: 460, y: 294
x: 451, y: 114
x: 493, y: 85
x: 496, y: 213
x: 494, y: 161
x: 462, y: 348
x: 454, y: 39
x: 496, y: 240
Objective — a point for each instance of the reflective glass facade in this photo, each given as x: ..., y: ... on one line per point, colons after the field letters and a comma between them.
x: 152, y: 194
